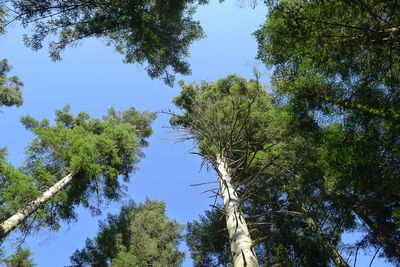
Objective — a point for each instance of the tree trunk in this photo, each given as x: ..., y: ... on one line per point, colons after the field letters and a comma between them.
x: 381, y: 113
x: 11, y: 223
x: 328, y: 246
x: 382, y: 234
x: 239, y: 236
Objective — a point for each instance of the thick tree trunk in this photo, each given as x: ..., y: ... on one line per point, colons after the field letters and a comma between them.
x: 239, y: 236
x: 11, y: 223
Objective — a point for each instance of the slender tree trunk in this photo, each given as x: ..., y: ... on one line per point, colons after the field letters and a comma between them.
x: 381, y: 113
x: 11, y: 223
x: 381, y: 233
x: 331, y: 249
x: 239, y: 236
x: 328, y: 246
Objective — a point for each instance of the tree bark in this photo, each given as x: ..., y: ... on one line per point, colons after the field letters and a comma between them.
x: 239, y: 236
x: 381, y: 113
x: 328, y: 246
x: 381, y: 233
x: 11, y: 223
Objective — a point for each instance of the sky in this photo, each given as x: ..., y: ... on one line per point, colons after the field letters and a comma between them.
x: 91, y: 77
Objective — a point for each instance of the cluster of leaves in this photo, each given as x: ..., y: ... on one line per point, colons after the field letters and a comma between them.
x: 140, y: 235
x: 21, y: 258
x: 229, y: 115
x: 328, y: 53
x: 157, y: 33
x: 10, y: 87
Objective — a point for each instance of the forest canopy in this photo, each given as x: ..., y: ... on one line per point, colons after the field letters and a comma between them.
x: 304, y: 166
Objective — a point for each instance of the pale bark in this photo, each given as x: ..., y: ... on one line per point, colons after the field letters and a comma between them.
x: 239, y: 236
x: 11, y: 223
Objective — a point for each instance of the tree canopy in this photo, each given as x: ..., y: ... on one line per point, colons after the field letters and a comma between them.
x: 21, y: 258
x: 340, y: 53
x: 10, y: 87
x: 140, y: 235
x: 337, y: 60
x: 154, y: 33
x: 279, y: 184
x: 299, y: 165
x: 93, y: 152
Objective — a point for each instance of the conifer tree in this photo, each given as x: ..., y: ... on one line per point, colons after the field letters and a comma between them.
x: 140, y: 235
x: 21, y: 258
x: 292, y: 220
x: 339, y: 58
x: 228, y: 119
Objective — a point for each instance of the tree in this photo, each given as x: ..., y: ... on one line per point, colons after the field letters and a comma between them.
x: 70, y: 163
x: 327, y: 51
x: 325, y: 55
x: 141, y: 235
x: 293, y: 221
x: 225, y: 117
x: 157, y: 33
x: 21, y: 258
x: 361, y: 167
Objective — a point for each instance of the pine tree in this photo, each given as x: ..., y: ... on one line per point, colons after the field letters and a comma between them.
x: 228, y: 119
x: 292, y: 220
x: 337, y: 59
x: 140, y: 235
x: 21, y: 258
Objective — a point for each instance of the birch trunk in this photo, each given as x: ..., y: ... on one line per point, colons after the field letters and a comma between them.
x: 239, y: 236
x: 11, y: 223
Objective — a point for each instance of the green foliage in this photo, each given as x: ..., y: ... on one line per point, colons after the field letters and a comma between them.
x: 17, y: 189
x: 207, y: 241
x: 339, y: 57
x: 10, y: 87
x: 222, y: 116
x: 272, y: 153
x: 96, y: 152
x: 361, y: 169
x: 3, y: 18
x: 157, y: 33
x: 327, y: 52
x: 21, y: 258
x: 141, y: 235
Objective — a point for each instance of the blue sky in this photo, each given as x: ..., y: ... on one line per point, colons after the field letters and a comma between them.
x: 91, y: 77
